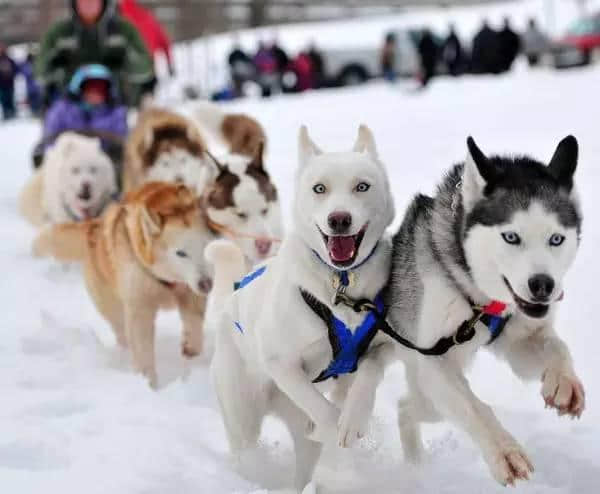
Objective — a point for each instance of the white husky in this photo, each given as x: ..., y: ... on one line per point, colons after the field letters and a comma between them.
x: 271, y: 344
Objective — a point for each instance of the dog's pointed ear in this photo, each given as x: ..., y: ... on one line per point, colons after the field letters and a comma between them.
x: 485, y: 168
x: 220, y: 167
x: 476, y: 174
x: 257, y: 162
x: 306, y: 147
x: 365, y: 142
x: 564, y: 162
x: 142, y: 227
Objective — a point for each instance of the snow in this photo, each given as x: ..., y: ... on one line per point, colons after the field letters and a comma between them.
x: 74, y: 418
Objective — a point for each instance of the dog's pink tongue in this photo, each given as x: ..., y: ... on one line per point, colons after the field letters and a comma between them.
x: 341, y: 249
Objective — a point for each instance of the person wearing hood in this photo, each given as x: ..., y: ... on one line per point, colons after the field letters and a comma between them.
x: 94, y: 33
x: 91, y: 106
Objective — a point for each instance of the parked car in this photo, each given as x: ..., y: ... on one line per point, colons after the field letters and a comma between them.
x: 580, y: 45
x: 346, y: 67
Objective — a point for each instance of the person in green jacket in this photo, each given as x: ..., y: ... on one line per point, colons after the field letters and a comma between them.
x: 95, y: 33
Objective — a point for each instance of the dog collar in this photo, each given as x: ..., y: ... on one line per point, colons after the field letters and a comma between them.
x: 492, y: 315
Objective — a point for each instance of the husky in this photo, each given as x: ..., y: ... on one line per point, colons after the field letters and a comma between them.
x: 167, y: 147
x: 76, y: 182
x: 242, y: 204
x: 482, y: 263
x: 279, y: 329
x: 142, y: 255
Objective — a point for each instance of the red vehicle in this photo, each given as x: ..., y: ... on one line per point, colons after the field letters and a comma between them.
x: 581, y: 44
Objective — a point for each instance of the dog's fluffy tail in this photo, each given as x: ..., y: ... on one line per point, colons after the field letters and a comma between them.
x: 64, y: 242
x: 230, y: 266
x: 239, y: 133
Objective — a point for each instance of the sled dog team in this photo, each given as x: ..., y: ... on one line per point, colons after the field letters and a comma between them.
x: 306, y: 326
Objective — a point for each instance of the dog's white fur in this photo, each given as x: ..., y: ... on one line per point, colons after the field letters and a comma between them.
x: 52, y: 195
x: 179, y: 166
x: 269, y: 368
x: 438, y: 388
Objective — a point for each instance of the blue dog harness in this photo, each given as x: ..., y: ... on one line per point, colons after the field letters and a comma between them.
x: 347, y: 347
x: 246, y: 280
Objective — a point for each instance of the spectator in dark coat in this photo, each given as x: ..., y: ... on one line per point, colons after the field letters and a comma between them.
x: 281, y: 57
x: 387, y: 57
x: 318, y: 66
x: 453, y: 54
x: 486, y: 56
x: 34, y: 92
x: 267, y: 70
x: 428, y: 52
x: 241, y: 68
x: 510, y: 46
x: 8, y: 72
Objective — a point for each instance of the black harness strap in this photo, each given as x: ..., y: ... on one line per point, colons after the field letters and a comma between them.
x: 324, y: 313
x: 465, y: 332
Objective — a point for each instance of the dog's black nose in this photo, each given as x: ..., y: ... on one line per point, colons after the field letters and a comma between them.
x: 178, y: 179
x: 541, y: 287
x: 339, y: 222
x: 86, y: 192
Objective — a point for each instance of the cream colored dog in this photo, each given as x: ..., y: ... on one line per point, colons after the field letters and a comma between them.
x: 143, y: 255
x: 76, y: 182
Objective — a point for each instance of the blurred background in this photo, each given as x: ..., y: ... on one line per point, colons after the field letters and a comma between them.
x: 221, y: 50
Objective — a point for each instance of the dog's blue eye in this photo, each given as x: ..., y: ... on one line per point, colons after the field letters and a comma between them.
x: 556, y: 239
x: 362, y: 187
x: 181, y: 253
x: 319, y: 189
x: 511, y: 238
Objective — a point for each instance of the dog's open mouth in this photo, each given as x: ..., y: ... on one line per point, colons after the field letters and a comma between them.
x: 343, y: 249
x: 528, y: 308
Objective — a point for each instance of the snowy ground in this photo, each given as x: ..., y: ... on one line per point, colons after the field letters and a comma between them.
x: 74, y: 418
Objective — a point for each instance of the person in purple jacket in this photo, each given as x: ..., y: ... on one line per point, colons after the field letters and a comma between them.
x: 91, y: 107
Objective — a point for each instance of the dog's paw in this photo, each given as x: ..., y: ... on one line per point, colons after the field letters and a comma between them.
x: 564, y: 392
x: 190, y: 351
x: 509, y: 464
x: 353, y: 422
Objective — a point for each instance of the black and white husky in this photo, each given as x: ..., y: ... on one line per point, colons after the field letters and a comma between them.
x: 481, y: 263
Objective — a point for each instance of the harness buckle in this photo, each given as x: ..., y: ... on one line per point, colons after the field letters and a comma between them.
x: 466, y: 330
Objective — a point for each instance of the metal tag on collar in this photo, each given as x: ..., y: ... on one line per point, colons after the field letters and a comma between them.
x: 343, y: 279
